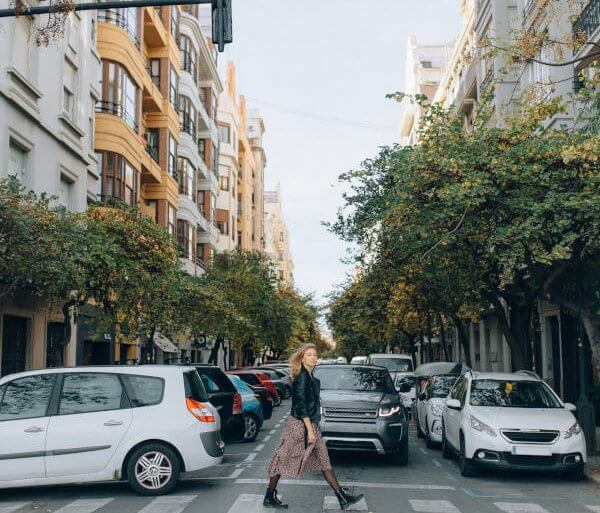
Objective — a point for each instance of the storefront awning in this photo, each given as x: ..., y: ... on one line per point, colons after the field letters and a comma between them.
x: 164, y: 344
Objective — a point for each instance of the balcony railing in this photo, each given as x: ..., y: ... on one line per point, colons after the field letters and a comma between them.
x: 589, y: 21
x: 155, y: 78
x: 118, y: 109
x: 116, y: 18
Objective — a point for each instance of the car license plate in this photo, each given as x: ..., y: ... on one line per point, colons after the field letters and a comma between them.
x: 531, y: 450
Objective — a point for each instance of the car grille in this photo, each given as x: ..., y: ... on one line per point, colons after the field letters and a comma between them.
x: 534, y: 437
x: 345, y: 413
x: 351, y: 445
x: 530, y: 460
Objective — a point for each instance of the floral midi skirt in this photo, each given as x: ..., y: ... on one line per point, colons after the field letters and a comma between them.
x: 292, y: 459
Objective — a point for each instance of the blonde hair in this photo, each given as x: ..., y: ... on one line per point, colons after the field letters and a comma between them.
x: 296, y: 358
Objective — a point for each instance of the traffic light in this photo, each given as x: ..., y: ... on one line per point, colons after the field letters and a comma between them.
x: 222, y: 32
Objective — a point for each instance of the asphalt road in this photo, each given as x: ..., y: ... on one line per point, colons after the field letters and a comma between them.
x: 429, y: 484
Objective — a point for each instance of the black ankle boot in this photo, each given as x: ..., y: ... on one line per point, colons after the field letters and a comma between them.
x: 272, y: 501
x: 346, y: 500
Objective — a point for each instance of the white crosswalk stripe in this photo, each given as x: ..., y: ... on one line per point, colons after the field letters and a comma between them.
x: 11, y: 506
x: 520, y: 507
x: 595, y: 509
x: 331, y: 502
x: 440, y: 506
x: 247, y: 503
x: 169, y: 504
x: 84, y: 506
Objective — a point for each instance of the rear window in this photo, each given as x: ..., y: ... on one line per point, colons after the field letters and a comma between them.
x: 143, y: 390
x: 194, y: 389
x: 216, y: 378
x: 393, y: 364
x: 249, y: 378
x: 357, y: 379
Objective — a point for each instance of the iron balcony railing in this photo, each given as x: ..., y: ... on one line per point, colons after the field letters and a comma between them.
x: 155, y: 78
x: 118, y: 109
x: 589, y: 20
x: 114, y: 17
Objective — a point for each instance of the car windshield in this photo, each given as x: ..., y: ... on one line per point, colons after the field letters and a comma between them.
x: 357, y: 379
x: 442, y: 385
x: 512, y: 394
x: 394, y: 364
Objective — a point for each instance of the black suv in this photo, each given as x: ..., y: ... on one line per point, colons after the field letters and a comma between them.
x: 361, y: 410
x: 223, y: 395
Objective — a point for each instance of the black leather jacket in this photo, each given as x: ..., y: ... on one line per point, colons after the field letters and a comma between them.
x: 305, y: 397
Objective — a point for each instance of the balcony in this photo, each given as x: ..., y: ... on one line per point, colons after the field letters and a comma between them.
x: 114, y: 17
x: 119, y: 110
x: 589, y: 20
x: 151, y: 139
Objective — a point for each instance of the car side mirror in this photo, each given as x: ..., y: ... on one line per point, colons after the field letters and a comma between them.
x: 454, y: 404
x: 570, y: 407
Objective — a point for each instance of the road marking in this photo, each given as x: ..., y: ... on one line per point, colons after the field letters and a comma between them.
x: 520, y: 507
x: 595, y: 509
x: 331, y: 502
x: 250, y: 456
x: 259, y: 448
x: 433, y: 506
x: 273, y: 431
x: 236, y: 473
x: 267, y: 438
x: 11, y: 506
x: 422, y: 450
x: 358, y: 484
x: 437, y: 463
x: 247, y: 503
x: 84, y: 506
x: 168, y: 504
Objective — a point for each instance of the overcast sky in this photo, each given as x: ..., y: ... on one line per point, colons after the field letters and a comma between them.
x: 319, y: 71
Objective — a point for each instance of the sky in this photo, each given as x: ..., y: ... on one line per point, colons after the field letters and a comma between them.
x: 319, y: 71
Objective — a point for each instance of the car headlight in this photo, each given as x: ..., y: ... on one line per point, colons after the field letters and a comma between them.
x: 388, y: 411
x: 477, y: 425
x: 575, y: 429
x: 437, y: 409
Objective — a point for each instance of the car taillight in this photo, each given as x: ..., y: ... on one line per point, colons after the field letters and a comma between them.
x: 199, y: 410
x: 258, y: 397
x: 237, y: 404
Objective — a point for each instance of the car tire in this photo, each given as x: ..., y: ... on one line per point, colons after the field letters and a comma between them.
x: 277, y: 400
x: 576, y: 474
x: 154, y: 458
x: 466, y: 466
x: 428, y: 441
x: 446, y: 451
x: 419, y: 432
x: 251, y: 428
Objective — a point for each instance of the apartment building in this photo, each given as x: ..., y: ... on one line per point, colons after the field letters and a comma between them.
x: 277, y: 237
x: 46, y: 142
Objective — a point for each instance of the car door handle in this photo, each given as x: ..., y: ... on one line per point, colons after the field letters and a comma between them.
x: 111, y: 423
x: 34, y: 429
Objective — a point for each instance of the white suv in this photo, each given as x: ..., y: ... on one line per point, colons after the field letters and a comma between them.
x: 142, y: 424
x: 512, y: 421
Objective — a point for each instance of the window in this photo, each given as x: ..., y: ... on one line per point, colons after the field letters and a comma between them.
x: 213, y: 209
x: 152, y: 207
x: 89, y: 392
x: 194, y: 389
x: 119, y: 93
x: 65, y: 192
x: 74, y: 31
x: 202, y: 149
x: 426, y: 64
x: 188, y: 56
x: 152, y: 137
x: 224, y: 133
x: 214, y: 162
x: 171, y: 219
x: 281, y: 237
x: 26, y: 398
x: 191, y: 9
x: 213, y: 106
x: 209, y: 384
x: 185, y: 238
x: 127, y: 19
x: 173, y: 86
x: 174, y: 21
x: 224, y: 182
x: 187, y: 116
x: 154, y: 69
x: 91, y: 124
x: 172, y: 156
x: 119, y: 178
x: 22, y: 44
x: 69, y: 84
x: 143, y: 390
x: 223, y: 227
x: 280, y: 256
x: 17, y: 161
x: 186, y: 176
x: 201, y: 205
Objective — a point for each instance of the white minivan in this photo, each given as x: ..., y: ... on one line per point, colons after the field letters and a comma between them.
x: 145, y: 424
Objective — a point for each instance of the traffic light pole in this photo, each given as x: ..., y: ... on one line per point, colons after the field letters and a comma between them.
x: 124, y: 4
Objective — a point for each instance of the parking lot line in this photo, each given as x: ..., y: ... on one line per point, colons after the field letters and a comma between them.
x: 236, y: 473
x: 259, y: 447
x: 84, y: 506
x: 360, y: 484
x: 250, y: 456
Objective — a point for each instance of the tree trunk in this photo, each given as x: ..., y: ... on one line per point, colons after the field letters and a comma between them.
x: 592, y: 330
x: 422, y: 341
x: 515, y: 333
x: 463, y: 339
x: 147, y: 356
x: 443, y: 337
x: 214, y: 352
x: 430, y: 337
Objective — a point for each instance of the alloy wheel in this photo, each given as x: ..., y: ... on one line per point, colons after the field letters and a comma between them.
x: 250, y: 427
x: 153, y: 470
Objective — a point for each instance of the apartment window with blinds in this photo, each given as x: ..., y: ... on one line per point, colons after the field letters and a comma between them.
x: 172, y: 156
x: 17, y: 161
x: 202, y: 149
x: 223, y: 227
x: 187, y: 116
x: 201, y: 204
x: 120, y: 180
x: 188, y: 57
x: 213, y: 209
x: 65, y: 193
x: 69, y: 88
x: 185, y: 238
x: 224, y: 182
x: 186, y: 176
x: 173, y: 86
x: 281, y: 237
x: 171, y: 219
x: 224, y: 133
x: 119, y: 94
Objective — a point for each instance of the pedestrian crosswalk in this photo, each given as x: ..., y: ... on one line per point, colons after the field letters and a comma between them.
x: 252, y: 503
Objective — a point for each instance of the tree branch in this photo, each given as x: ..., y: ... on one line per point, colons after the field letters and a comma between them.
x: 454, y: 230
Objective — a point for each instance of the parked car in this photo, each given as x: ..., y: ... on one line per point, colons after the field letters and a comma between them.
x: 251, y: 409
x: 430, y: 406
x: 361, y: 410
x: 511, y: 421
x: 400, y: 367
x: 266, y: 401
x: 145, y: 425
x: 359, y: 360
x: 223, y: 396
x: 341, y: 359
x: 256, y: 378
x: 282, y: 380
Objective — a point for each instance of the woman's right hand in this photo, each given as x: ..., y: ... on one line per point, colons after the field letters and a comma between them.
x: 312, y: 437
